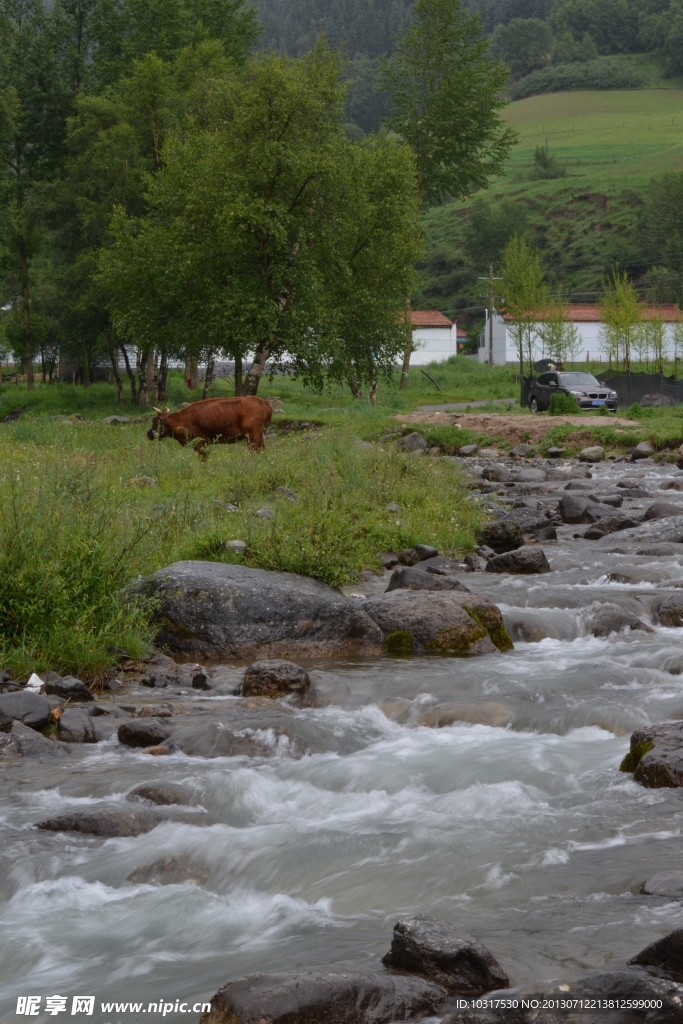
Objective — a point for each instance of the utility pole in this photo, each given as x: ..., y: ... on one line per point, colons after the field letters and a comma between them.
x: 490, y: 308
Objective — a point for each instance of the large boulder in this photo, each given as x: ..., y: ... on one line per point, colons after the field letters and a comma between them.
x: 68, y: 687
x: 501, y: 536
x: 612, y: 619
x: 669, y: 610
x: 161, y: 793
x: 656, y: 531
x: 76, y: 726
x: 214, y: 609
x: 324, y: 997
x: 656, y: 756
x: 496, y: 474
x: 668, y: 884
x: 529, y: 475
x: 665, y: 955
x: 274, y: 678
x: 202, y: 738
x: 446, y: 623
x: 454, y: 959
x: 109, y: 822
x: 523, y: 561
x: 576, y: 509
x: 414, y: 578
x: 412, y: 442
x: 592, y: 454
x: 662, y: 509
x: 644, y: 450
x: 609, y: 524
x: 27, y: 707
x: 143, y: 732
x: 22, y: 741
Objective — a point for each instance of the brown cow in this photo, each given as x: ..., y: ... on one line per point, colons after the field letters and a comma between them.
x: 215, y: 419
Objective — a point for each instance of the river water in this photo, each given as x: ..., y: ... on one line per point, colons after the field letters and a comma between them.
x: 483, y: 791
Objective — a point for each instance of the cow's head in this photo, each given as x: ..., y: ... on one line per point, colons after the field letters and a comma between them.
x: 159, y: 428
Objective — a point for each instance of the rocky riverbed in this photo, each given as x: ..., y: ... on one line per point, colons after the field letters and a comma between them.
x: 197, y: 823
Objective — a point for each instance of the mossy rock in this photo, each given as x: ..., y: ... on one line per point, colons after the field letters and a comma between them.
x: 635, y: 755
x: 492, y: 621
x: 399, y: 642
x: 455, y: 640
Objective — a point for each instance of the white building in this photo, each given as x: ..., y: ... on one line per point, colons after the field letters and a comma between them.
x: 588, y: 323
x: 435, y: 337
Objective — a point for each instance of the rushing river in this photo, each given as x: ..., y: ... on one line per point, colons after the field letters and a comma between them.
x: 483, y: 791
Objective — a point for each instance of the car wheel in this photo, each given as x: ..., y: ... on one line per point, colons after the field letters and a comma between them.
x: 533, y: 404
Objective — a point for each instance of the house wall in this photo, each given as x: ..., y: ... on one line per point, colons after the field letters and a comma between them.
x: 499, y: 341
x: 589, y: 347
x: 433, y: 345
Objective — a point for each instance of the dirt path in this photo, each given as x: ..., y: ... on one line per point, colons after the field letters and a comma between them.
x: 511, y: 428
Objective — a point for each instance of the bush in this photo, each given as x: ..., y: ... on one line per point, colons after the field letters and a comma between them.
x: 546, y: 166
x: 561, y: 405
x: 608, y: 73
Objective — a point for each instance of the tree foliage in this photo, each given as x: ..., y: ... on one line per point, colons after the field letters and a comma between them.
x: 525, y: 297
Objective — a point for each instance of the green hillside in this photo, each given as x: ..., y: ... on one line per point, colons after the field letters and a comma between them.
x: 612, y: 143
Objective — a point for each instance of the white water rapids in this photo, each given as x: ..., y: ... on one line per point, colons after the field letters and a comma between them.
x: 483, y: 791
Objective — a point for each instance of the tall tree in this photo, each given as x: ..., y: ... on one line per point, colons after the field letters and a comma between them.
x: 621, y: 318
x: 445, y: 101
x: 525, y: 298
x: 664, y: 223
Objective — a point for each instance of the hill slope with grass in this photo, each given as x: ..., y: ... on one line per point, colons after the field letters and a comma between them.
x: 610, y: 144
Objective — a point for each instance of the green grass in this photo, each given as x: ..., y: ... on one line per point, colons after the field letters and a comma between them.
x: 613, y: 143
x: 75, y: 528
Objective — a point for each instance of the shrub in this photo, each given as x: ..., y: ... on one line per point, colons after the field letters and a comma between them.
x: 606, y: 73
x: 561, y: 405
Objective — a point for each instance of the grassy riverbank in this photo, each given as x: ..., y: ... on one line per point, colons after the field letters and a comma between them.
x: 86, y: 507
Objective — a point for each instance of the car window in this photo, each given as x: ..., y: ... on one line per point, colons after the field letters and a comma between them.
x: 544, y: 378
x: 579, y: 379
x: 552, y: 378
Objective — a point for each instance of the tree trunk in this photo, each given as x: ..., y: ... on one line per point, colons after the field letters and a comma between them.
x: 191, y: 373
x: 353, y: 384
x: 42, y: 361
x: 152, y: 383
x: 114, y: 358
x: 409, y: 346
x: 163, y: 374
x: 141, y: 364
x: 208, y: 376
x: 131, y: 376
x: 28, y: 351
x: 261, y: 357
x: 86, y: 365
x: 238, y: 375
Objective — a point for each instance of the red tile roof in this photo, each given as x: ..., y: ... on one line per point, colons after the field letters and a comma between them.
x: 429, y: 318
x: 460, y: 334
x: 587, y: 314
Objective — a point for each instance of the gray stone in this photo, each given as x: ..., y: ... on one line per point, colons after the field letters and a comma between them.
x: 274, y: 678
x: 393, y: 508
x: 212, y: 609
x: 656, y: 531
x: 143, y: 732
x: 521, y: 450
x: 611, y: 619
x: 108, y: 823
x: 679, y: 457
x: 575, y: 509
x: 669, y: 610
x: 200, y: 681
x: 475, y: 562
x: 446, y: 623
x: 22, y: 741
x: 656, y: 756
x: 114, y: 420
x: 468, y: 450
x: 388, y: 559
x: 592, y: 454
x: 497, y: 474
x: 412, y: 442
x: 170, y: 871
x: 666, y: 955
x: 661, y: 510
x: 238, y: 547
x: 659, y: 550
x: 163, y: 794
x: 672, y: 485
x: 668, y: 884
x: 287, y: 493
x: 609, y: 524
x: 642, y: 451
x: 324, y: 997
x: 212, y: 739
x: 265, y: 512
x: 501, y: 536
x: 425, y: 551
x: 68, y: 686
x: 27, y: 707
x: 525, y: 632
x: 414, y: 578
x: 556, y: 453
x: 527, y: 561
x: 76, y: 726
x: 529, y: 475
x: 615, y: 500
x: 408, y: 556
x: 454, y: 959
x: 576, y: 485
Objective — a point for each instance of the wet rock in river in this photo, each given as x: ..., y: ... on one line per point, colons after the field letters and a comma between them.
x: 501, y: 536
x: 170, y: 871
x: 22, y: 741
x: 388, y: 559
x: 143, y: 732
x: 529, y: 475
x: 425, y: 551
x: 661, y: 509
x: 644, y: 450
x: 161, y: 793
x: 679, y: 457
x: 496, y: 474
x: 76, y: 726
x: 274, y: 678
x: 525, y: 632
x: 446, y: 623
x: 656, y: 531
x: 527, y: 560
x: 611, y: 619
x: 208, y: 739
x: 592, y: 454
x: 324, y: 997
x: 69, y: 686
x: 668, y: 884
x: 615, y: 500
x: 669, y: 610
x: 454, y: 959
x: 576, y: 509
x: 656, y: 756
x: 576, y: 485
x: 659, y: 550
x: 665, y: 956
x: 609, y: 524
x: 108, y: 823
x: 215, y: 609
x: 672, y: 485
x: 413, y: 578
x: 474, y: 562
x: 27, y: 707
x: 408, y: 556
